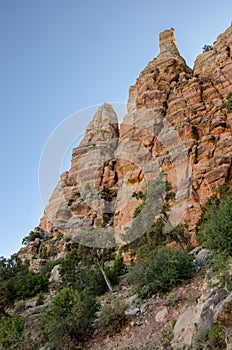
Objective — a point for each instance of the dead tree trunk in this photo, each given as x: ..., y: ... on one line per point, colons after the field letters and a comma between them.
x: 109, y: 285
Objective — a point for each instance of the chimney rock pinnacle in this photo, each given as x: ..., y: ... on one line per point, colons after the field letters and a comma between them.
x: 167, y: 42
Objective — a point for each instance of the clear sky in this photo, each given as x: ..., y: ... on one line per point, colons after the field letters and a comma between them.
x: 60, y: 56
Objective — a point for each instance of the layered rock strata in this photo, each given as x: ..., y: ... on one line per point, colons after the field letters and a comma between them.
x: 176, y: 124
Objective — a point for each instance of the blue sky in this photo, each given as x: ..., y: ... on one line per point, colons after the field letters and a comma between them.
x: 60, y: 56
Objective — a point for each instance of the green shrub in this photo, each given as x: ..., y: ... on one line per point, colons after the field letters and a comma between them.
x: 160, y: 271
x: 112, y: 316
x: 222, y: 271
x: 217, y: 337
x: 40, y: 299
x: 200, y: 341
x: 47, y: 268
x: 81, y: 270
x: 213, y: 338
x: 156, y: 202
x: 206, y: 48
x: 17, y: 281
x: 29, y: 283
x: 69, y: 317
x: 79, y: 276
x: 11, y: 332
x: 6, y: 297
x: 116, y: 271
x: 138, y: 210
x: 215, y: 226
x: 228, y: 104
x: 32, y: 236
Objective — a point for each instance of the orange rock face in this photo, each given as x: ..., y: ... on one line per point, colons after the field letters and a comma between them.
x: 190, y: 101
x: 176, y: 124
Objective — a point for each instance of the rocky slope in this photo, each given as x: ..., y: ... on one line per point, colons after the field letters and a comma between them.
x: 176, y: 320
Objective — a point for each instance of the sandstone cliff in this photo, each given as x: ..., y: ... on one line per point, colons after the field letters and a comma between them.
x: 175, y: 124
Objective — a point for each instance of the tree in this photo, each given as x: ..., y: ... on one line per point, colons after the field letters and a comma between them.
x: 112, y: 316
x: 84, y: 268
x: 151, y: 217
x: 159, y: 271
x: 17, y: 281
x: 207, y: 48
x: 11, y: 332
x: 69, y: 317
x: 215, y: 226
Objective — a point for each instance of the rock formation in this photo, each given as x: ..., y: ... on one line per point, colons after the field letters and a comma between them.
x: 175, y: 124
x: 191, y: 102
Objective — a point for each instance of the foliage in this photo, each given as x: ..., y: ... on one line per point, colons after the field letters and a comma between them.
x: 40, y: 299
x: 222, y: 271
x: 80, y: 269
x: 228, y: 104
x: 160, y: 271
x: 167, y: 331
x: 152, y: 238
x: 138, y: 210
x: 207, y: 211
x: 79, y: 273
x: 118, y: 269
x: 217, y: 337
x: 69, y: 317
x: 28, y: 283
x: 112, y: 315
x: 32, y: 236
x: 214, y: 231
x: 206, y: 48
x: 139, y: 195
x: 47, y: 268
x: 43, y: 253
x: 200, y: 339
x: 215, y: 226
x: 146, y: 213
x: 213, y: 338
x: 11, y: 332
x: 17, y: 281
x: 8, y: 269
x: 151, y: 227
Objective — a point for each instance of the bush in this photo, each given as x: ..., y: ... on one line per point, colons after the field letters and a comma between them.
x: 221, y: 269
x: 160, y: 271
x: 40, y: 299
x: 47, y: 268
x: 113, y: 315
x: 206, y: 48
x: 215, y: 226
x: 32, y: 236
x: 11, y: 332
x: 17, y: 281
x: 116, y: 271
x: 69, y: 317
x: 80, y: 270
x: 29, y: 283
x: 213, y: 338
x: 78, y: 276
x: 228, y: 104
x: 217, y: 337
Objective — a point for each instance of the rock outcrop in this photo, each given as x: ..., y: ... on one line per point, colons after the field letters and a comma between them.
x: 83, y: 196
x: 176, y: 124
x: 190, y: 102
